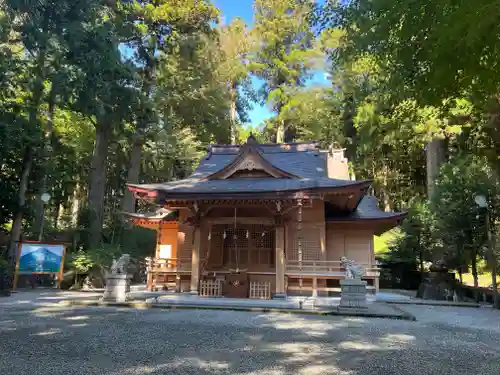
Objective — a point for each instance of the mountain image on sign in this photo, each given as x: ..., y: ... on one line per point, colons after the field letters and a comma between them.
x: 40, y: 260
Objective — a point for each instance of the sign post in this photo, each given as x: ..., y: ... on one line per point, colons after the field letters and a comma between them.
x: 37, y: 258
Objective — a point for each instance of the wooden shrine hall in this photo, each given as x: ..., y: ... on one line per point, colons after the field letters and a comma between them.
x: 262, y: 221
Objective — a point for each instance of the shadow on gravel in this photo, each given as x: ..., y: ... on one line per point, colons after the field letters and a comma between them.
x: 50, y: 339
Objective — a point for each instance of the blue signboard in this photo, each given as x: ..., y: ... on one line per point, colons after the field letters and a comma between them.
x: 40, y: 258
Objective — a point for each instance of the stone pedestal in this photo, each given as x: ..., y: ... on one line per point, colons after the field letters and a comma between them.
x: 117, y: 288
x: 353, y: 293
x: 438, y: 285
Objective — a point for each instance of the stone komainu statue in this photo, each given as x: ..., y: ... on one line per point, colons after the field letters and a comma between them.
x: 352, y: 270
x: 121, y: 266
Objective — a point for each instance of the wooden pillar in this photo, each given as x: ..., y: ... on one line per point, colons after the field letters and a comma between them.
x: 195, y: 260
x: 280, y: 261
x: 150, y: 281
x: 315, y: 287
x: 322, y: 239
x: 177, y: 283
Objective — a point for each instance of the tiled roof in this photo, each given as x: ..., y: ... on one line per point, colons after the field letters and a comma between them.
x: 303, y: 160
x: 248, y: 185
x: 305, y: 164
x: 367, y: 210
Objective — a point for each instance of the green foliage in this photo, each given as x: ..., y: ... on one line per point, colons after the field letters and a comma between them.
x: 418, y: 241
x: 451, y: 227
x: 461, y: 224
x: 433, y: 49
x: 382, y: 244
x: 83, y: 260
x: 157, y: 81
x: 284, y: 54
x: 3, y: 263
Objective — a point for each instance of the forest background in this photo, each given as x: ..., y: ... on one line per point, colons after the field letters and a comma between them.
x: 100, y: 93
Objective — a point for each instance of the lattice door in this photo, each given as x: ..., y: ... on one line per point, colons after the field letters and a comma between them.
x: 310, y: 242
x: 236, y: 247
x: 244, y: 246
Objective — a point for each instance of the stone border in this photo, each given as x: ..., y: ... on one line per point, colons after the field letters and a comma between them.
x: 434, y: 303
x: 398, y: 315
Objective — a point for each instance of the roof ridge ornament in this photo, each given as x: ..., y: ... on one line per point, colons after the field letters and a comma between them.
x: 251, y: 140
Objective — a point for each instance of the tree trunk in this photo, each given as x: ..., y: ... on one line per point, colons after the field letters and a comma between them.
x: 421, y: 261
x: 474, y: 275
x: 75, y: 205
x: 280, y: 132
x: 128, y: 204
x: 18, y: 218
x: 46, y: 154
x: 348, y: 129
x: 97, y: 183
x: 385, y: 190
x: 133, y: 172
x: 233, y: 114
x: 435, y: 157
x: 58, y: 214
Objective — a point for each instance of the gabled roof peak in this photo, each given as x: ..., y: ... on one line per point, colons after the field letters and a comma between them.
x: 266, y: 148
x: 251, y: 140
x: 250, y: 157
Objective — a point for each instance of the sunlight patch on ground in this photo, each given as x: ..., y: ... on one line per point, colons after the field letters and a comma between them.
x: 255, y: 338
x: 323, y: 369
x: 7, y: 325
x: 7, y: 329
x: 49, y: 312
x: 301, y: 351
x: 51, y: 331
x: 184, y: 362
x: 202, y: 363
x: 78, y: 317
x: 267, y: 372
x: 359, y: 345
x: 399, y: 338
x: 309, y: 326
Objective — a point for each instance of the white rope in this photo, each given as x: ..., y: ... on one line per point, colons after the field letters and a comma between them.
x: 236, y: 249
x: 299, y: 245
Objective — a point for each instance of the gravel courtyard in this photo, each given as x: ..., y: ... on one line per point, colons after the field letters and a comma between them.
x: 48, y: 339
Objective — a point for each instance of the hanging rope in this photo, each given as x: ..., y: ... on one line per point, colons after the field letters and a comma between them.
x: 236, y: 244
x: 299, y: 245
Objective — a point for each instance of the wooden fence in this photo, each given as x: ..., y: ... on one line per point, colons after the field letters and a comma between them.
x: 260, y: 289
x: 324, y: 268
x: 211, y: 288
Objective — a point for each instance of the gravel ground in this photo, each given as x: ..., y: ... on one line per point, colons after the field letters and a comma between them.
x: 44, y: 338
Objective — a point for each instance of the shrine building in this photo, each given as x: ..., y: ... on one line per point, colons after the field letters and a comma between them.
x: 262, y: 221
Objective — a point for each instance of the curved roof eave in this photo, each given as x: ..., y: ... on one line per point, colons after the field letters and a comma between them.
x: 246, y: 150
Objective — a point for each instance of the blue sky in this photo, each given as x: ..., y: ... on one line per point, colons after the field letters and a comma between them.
x: 243, y: 9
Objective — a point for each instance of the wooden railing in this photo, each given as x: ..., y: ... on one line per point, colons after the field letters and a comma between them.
x: 210, y: 288
x: 260, y: 289
x: 324, y: 267
x: 169, y: 265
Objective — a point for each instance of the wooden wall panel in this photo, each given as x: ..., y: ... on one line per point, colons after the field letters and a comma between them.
x: 335, y: 242
x: 354, y: 244
x: 184, y: 237
x: 359, y: 247
x: 167, y: 235
x: 185, y: 241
